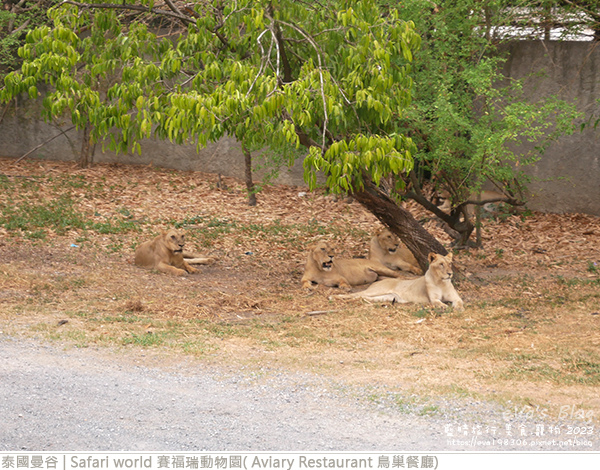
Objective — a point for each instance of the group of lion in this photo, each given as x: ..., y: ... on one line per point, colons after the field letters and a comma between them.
x: 391, y: 269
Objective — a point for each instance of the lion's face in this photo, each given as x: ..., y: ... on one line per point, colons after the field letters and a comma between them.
x: 322, y: 254
x: 174, y: 241
x: 441, y: 266
x: 443, y: 200
x: 388, y: 241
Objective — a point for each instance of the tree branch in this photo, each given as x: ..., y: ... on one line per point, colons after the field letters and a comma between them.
x: 287, y: 69
x: 322, y: 81
x: 418, y: 196
x: 174, y: 8
x: 138, y: 8
x: 44, y: 143
x: 22, y: 27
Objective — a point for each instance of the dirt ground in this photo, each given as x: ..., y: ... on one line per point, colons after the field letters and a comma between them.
x: 529, y: 335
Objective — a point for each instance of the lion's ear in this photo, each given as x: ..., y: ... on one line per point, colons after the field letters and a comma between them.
x: 432, y: 256
x: 449, y: 257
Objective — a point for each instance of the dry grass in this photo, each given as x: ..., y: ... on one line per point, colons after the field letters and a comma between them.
x: 530, y: 332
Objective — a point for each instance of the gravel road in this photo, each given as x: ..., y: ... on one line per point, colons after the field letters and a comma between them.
x: 66, y: 399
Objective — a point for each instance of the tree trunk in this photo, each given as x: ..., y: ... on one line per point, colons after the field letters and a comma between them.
x: 401, y: 222
x: 458, y: 229
x: 86, y: 148
x: 249, y: 182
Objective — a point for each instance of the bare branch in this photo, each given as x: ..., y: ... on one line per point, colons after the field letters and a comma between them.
x: 173, y: 8
x: 139, y: 8
x: 22, y: 27
x: 62, y: 132
x: 321, y: 79
x: 262, y: 62
x: 418, y: 196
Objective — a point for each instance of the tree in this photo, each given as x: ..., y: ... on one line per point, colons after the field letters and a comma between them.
x: 91, y: 71
x: 329, y: 78
x: 16, y: 18
x: 468, y: 121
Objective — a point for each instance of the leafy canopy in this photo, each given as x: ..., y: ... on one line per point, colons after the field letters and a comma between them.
x: 331, y: 76
x: 348, y: 80
x: 471, y: 124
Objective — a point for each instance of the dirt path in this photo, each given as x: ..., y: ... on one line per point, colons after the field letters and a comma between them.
x: 96, y: 400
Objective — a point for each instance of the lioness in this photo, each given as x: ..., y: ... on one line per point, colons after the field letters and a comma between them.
x: 435, y: 287
x: 165, y: 253
x: 321, y: 268
x: 386, y: 248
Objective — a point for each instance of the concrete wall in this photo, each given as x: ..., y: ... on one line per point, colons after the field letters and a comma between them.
x: 567, y: 179
x: 22, y: 131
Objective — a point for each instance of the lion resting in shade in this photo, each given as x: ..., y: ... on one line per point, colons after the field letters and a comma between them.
x: 434, y: 288
x: 386, y: 248
x: 165, y: 254
x: 322, y: 268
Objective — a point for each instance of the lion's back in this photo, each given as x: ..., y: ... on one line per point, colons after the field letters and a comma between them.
x: 146, y: 255
x: 355, y: 270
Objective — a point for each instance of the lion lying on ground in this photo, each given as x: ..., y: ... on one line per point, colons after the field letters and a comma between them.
x: 321, y: 268
x: 165, y: 253
x: 386, y: 248
x: 434, y: 288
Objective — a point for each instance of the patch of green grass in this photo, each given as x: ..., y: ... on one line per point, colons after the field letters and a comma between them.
x: 115, y: 226
x: 429, y: 410
x: 145, y: 340
x: 576, y: 281
x: 529, y: 371
x: 586, y: 369
x: 197, y: 347
x: 69, y: 181
x: 125, y: 318
x: 206, y: 230
x: 35, y: 219
x: 196, y: 220
x: 58, y: 215
x: 78, y: 337
x: 36, y: 235
x: 583, y: 369
x: 114, y: 247
x: 78, y: 282
x: 420, y: 313
x: 5, y: 182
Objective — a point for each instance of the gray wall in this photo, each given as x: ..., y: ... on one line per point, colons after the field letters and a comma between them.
x: 22, y: 131
x: 567, y: 179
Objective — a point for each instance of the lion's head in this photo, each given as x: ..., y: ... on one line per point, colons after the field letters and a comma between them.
x: 443, y: 199
x: 388, y: 241
x: 440, y: 266
x: 322, y: 255
x: 174, y: 240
